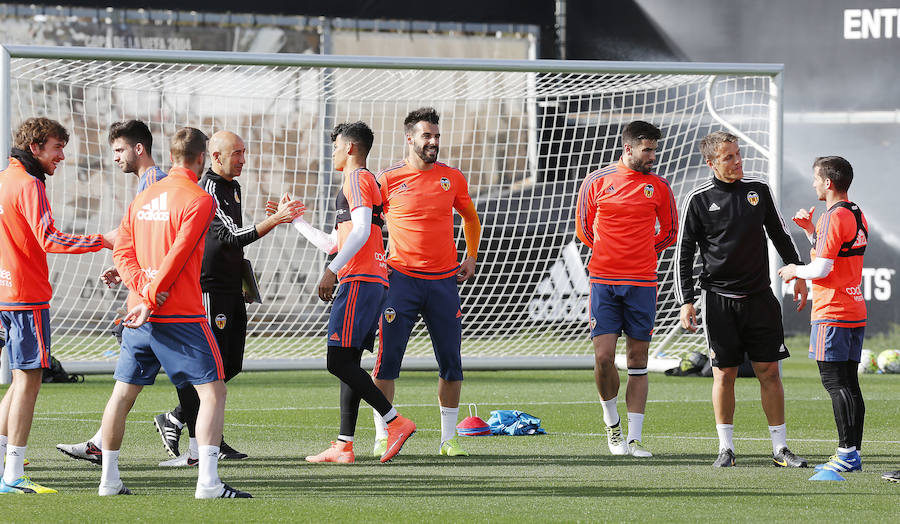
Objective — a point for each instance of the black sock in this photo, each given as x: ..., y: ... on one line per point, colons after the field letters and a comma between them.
x: 190, y: 406
x: 842, y: 384
x: 356, y: 384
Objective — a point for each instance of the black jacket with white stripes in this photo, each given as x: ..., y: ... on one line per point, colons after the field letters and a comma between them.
x: 226, y: 238
x: 726, y: 221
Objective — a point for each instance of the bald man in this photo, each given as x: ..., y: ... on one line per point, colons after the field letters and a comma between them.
x: 220, y: 280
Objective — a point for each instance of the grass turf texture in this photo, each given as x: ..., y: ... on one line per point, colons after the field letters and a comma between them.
x: 280, y: 417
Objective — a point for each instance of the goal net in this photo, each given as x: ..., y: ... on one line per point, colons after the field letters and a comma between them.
x: 524, y: 133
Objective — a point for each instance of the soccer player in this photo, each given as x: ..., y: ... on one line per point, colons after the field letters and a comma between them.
x: 220, y: 279
x: 360, y: 267
x: 839, y: 310
x: 728, y: 218
x: 132, y: 145
x: 419, y: 197
x: 616, y: 215
x: 159, y: 249
x: 26, y: 236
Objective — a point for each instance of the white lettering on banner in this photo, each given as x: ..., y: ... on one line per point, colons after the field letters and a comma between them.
x: 564, y: 293
x: 875, y: 285
x: 863, y: 24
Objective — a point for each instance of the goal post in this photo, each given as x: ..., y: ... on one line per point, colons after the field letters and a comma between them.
x: 523, y: 132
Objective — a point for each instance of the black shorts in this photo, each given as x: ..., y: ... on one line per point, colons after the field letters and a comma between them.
x: 748, y: 326
x: 228, y: 318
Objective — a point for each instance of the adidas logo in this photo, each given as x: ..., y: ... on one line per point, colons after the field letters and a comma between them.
x: 458, y: 313
x: 156, y: 210
x: 861, y: 239
x: 335, y: 337
x: 564, y: 293
x: 714, y: 207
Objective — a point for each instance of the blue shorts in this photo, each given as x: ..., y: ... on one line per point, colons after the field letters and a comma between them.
x: 618, y: 308
x: 187, y: 351
x: 835, y: 343
x: 354, y: 314
x: 438, y: 302
x: 27, y: 337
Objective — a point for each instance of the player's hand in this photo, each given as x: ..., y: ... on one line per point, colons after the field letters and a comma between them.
x: 110, y: 277
x: 289, y: 209
x: 788, y: 273
x: 109, y: 238
x: 688, y: 317
x: 803, y: 218
x: 137, y: 316
x: 800, y: 293
x: 326, y: 285
x: 271, y: 207
x: 161, y: 298
x: 466, y: 269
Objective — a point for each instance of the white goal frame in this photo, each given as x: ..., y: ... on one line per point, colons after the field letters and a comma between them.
x: 771, y: 149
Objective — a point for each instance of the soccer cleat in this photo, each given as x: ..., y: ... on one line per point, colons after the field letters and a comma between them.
x: 26, y: 463
x: 637, y: 449
x: 615, y: 440
x: 340, y: 452
x: 893, y: 476
x: 785, y: 458
x: 85, y: 451
x: 451, y: 448
x: 399, y: 429
x: 106, y: 490
x: 24, y: 485
x: 169, y: 432
x: 183, y: 460
x: 725, y: 459
x: 227, y: 452
x: 380, y: 447
x: 843, y: 463
x: 222, y: 491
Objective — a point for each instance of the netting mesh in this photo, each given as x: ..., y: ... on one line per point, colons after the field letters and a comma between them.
x: 524, y: 141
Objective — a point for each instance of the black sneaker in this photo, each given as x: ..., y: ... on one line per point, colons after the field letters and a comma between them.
x: 725, y: 460
x: 227, y: 452
x: 786, y: 459
x: 893, y: 476
x: 169, y: 432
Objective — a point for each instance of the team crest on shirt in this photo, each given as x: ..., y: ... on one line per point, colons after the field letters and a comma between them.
x: 648, y: 191
x: 221, y: 320
x: 390, y: 314
x: 753, y: 198
x: 445, y: 183
x: 593, y: 322
x: 237, y: 197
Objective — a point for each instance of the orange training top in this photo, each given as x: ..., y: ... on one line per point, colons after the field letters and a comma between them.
x: 419, y: 207
x: 616, y: 215
x: 368, y: 265
x: 27, y: 234
x: 160, y: 246
x: 837, y: 299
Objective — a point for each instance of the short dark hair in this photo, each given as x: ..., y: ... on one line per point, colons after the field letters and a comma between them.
x: 356, y: 132
x: 709, y: 145
x: 37, y: 130
x: 423, y: 114
x: 187, y: 144
x: 836, y: 169
x: 640, y: 130
x: 134, y: 132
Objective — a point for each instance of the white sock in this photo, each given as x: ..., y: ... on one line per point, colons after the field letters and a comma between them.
x: 110, y: 473
x: 845, y: 451
x: 635, y: 426
x: 390, y: 415
x: 779, y: 437
x: 345, y: 438
x: 15, y: 463
x: 726, y: 432
x: 449, y: 417
x: 97, y: 439
x: 380, y: 426
x: 4, y: 440
x: 610, y: 413
x: 193, y: 450
x: 208, y: 467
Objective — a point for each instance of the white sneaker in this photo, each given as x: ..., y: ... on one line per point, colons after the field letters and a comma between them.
x: 616, y: 441
x: 185, y: 459
x: 638, y: 450
x: 106, y: 490
x: 220, y: 491
x: 85, y: 451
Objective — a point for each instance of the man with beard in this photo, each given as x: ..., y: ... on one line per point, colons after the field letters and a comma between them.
x: 616, y: 214
x: 132, y: 145
x: 419, y: 196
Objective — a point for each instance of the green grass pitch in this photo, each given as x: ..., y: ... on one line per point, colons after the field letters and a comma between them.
x: 567, y: 475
